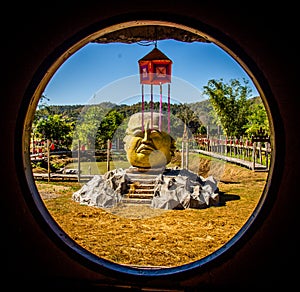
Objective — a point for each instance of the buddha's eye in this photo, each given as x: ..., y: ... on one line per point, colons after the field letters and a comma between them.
x: 155, y: 134
x: 138, y: 134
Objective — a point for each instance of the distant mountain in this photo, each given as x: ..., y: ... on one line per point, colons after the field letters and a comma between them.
x: 201, y: 109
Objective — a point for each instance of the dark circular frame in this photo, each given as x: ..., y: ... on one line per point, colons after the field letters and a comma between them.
x: 48, y: 68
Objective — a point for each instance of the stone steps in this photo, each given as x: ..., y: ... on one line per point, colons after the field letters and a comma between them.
x: 136, y: 201
x: 141, y: 188
x: 150, y: 178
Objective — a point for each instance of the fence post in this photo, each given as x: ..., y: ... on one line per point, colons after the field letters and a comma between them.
x: 254, y: 154
x: 78, y: 160
x: 260, y: 152
x: 267, y: 154
x: 48, y: 159
x: 243, y: 148
x: 187, y: 154
x: 108, y: 155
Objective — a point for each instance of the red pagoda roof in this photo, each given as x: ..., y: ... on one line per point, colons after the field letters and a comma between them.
x: 155, y: 54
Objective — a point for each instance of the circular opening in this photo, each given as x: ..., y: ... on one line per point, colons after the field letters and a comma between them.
x: 168, y: 236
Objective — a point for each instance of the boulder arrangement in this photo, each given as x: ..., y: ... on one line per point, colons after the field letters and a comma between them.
x: 167, y: 189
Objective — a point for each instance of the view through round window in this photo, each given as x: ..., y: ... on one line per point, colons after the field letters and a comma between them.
x: 145, y: 165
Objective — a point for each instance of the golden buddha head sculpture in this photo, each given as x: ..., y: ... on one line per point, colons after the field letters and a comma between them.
x: 147, y: 141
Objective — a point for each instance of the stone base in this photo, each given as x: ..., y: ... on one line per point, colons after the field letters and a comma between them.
x: 141, y: 170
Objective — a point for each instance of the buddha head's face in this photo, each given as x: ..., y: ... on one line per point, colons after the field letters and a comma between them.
x: 147, y: 147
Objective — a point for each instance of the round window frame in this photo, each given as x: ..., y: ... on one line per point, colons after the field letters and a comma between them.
x: 32, y: 196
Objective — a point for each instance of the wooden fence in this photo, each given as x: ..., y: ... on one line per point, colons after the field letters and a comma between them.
x: 257, y: 150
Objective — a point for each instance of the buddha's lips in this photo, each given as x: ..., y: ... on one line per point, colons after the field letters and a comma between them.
x: 143, y: 148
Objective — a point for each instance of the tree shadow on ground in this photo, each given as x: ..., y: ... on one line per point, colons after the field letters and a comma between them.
x: 229, y: 182
x: 227, y: 197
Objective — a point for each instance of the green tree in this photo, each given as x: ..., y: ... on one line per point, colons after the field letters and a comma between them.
x: 87, y: 126
x: 54, y: 127
x: 257, y: 119
x: 108, y: 127
x: 231, y: 104
x: 189, y: 117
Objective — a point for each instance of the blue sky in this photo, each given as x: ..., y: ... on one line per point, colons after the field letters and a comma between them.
x: 109, y: 72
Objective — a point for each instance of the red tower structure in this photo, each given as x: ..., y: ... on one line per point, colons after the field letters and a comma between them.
x: 155, y: 69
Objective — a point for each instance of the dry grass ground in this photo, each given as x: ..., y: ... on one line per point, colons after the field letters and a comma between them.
x: 141, y: 236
